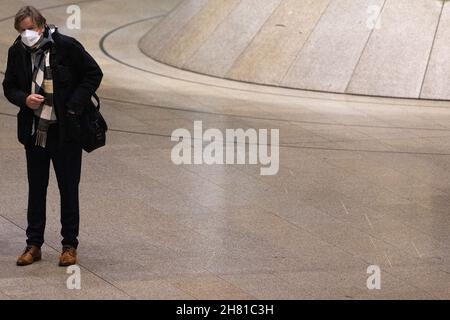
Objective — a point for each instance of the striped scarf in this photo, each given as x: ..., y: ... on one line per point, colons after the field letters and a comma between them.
x: 42, y: 84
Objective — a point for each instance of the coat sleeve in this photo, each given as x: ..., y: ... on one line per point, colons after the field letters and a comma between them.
x: 90, y: 74
x: 11, y: 84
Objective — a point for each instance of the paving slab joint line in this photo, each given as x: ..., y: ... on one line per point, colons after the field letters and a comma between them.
x: 365, y: 47
x: 431, y: 49
x: 81, y: 265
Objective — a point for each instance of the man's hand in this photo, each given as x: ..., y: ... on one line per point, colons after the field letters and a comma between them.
x: 34, y: 101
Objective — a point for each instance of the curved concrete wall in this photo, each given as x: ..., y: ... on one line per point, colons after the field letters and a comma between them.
x: 396, y: 48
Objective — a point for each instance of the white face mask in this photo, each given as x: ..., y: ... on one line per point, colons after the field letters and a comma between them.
x: 30, y: 37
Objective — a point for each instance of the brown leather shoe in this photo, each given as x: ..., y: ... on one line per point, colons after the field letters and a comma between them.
x: 29, y: 255
x: 68, y: 257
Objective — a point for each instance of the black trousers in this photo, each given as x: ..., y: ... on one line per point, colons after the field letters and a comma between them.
x: 66, y: 161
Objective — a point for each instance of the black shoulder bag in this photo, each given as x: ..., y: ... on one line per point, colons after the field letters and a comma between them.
x: 93, y: 127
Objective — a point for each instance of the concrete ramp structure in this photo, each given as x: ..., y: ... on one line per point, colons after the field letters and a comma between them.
x: 391, y: 48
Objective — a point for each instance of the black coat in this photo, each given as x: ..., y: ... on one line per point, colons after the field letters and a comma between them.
x: 76, y: 77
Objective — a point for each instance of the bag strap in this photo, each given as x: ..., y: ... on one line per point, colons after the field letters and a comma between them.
x: 98, y: 101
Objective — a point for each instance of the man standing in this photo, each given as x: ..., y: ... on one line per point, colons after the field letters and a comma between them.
x: 51, y: 78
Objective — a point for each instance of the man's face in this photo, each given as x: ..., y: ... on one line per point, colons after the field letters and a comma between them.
x: 28, y: 24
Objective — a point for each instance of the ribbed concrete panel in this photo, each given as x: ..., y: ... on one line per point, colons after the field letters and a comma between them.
x: 231, y: 38
x: 188, y: 40
x: 396, y: 57
x: 162, y: 34
x: 329, y: 57
x: 272, y: 51
x: 437, y: 80
x: 324, y: 45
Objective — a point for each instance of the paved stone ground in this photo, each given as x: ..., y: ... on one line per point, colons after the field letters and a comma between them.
x: 362, y: 181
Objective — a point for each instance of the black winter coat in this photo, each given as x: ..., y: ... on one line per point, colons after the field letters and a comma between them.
x: 76, y: 77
